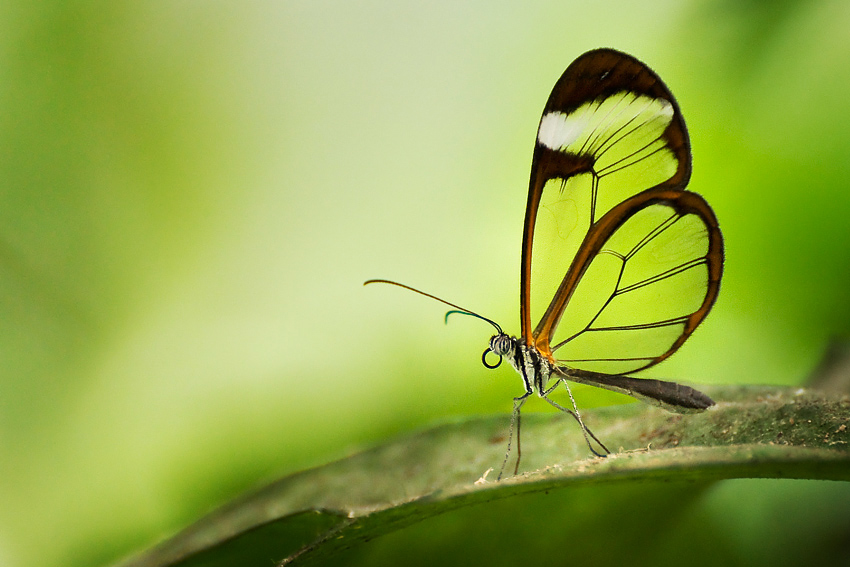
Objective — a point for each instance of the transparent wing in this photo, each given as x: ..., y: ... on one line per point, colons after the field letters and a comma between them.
x: 611, y: 129
x: 644, y: 278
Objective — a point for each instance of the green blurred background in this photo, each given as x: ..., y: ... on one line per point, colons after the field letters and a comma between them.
x: 191, y: 194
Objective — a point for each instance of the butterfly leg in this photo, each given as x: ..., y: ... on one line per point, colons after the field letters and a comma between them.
x: 588, y: 434
x: 515, y: 421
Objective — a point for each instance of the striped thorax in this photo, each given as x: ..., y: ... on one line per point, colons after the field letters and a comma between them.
x: 533, y: 367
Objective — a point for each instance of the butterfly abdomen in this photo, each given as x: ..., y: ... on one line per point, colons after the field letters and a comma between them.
x: 668, y: 395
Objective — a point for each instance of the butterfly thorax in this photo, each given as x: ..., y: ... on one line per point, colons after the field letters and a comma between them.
x: 532, y: 366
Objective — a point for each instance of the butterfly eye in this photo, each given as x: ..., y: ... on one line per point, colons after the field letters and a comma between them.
x: 500, y: 344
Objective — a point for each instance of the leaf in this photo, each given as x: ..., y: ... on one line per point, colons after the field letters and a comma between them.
x: 753, y: 432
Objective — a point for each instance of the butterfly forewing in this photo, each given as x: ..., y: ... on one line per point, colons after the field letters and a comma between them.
x: 610, y: 130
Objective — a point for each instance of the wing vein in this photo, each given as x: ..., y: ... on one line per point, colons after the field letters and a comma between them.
x: 663, y: 275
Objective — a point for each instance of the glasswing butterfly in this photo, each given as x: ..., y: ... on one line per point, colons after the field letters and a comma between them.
x: 626, y: 262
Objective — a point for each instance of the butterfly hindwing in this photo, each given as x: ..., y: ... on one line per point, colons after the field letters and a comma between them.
x: 647, y: 275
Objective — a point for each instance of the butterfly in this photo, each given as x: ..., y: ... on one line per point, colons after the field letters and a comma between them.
x: 620, y: 260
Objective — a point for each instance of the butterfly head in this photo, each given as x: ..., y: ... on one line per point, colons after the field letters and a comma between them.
x: 501, y: 344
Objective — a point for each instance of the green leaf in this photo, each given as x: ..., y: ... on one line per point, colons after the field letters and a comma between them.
x: 753, y: 432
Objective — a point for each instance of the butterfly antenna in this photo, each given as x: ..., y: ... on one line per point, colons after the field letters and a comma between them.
x: 457, y: 308
x: 471, y: 314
